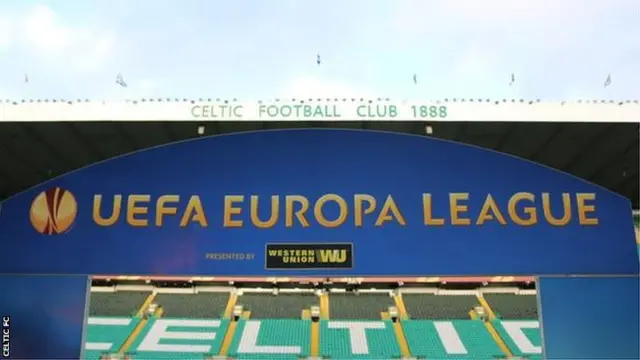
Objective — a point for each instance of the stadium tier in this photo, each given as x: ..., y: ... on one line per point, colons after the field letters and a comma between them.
x: 238, y: 323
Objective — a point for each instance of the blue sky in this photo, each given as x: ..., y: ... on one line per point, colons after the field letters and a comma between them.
x: 258, y: 49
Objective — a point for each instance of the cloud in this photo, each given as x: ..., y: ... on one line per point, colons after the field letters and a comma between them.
x: 511, y: 18
x: 314, y: 87
x: 554, y: 47
x: 458, y: 48
x: 6, y: 30
x: 39, y: 31
x: 138, y: 88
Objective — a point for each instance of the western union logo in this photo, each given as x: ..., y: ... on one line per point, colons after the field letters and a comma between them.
x: 309, y: 256
x: 333, y: 256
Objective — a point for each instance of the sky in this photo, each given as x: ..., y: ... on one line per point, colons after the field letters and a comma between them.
x: 257, y: 49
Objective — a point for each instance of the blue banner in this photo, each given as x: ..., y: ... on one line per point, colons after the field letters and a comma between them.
x: 602, y: 324
x: 42, y: 316
x: 216, y: 205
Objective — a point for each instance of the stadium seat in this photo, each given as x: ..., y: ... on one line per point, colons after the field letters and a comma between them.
x: 512, y: 306
x: 363, y: 307
x: 439, y: 307
x: 107, y: 334
x: 281, y: 306
x: 338, y: 342
x: 440, y: 327
x: 155, y: 341
x: 521, y: 336
x: 456, y: 339
x: 273, y: 339
x: 120, y: 303
x: 208, y: 305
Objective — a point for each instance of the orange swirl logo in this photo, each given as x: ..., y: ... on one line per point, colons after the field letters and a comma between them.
x: 53, y: 211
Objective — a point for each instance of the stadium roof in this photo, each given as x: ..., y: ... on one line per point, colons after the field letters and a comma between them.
x: 508, y: 110
x: 604, y: 153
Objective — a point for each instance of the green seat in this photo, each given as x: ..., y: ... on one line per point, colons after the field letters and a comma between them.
x: 473, y: 341
x: 288, y: 339
x: 102, y: 331
x: 200, y: 337
x: 335, y: 341
x: 529, y: 329
x: 273, y: 339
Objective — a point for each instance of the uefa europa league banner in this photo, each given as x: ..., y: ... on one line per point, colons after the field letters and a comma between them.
x: 335, y: 202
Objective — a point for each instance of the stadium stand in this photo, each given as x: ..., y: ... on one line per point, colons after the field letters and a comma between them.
x: 436, y: 307
x: 282, y: 338
x: 281, y: 306
x: 107, y: 334
x: 208, y: 305
x: 117, y: 303
x: 513, y: 306
x: 205, y: 335
x: 355, y: 306
x: 521, y: 337
x: 252, y: 323
x: 358, y: 339
x: 444, y: 339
